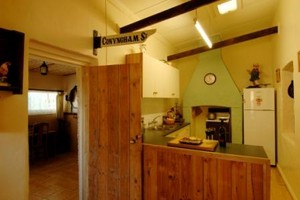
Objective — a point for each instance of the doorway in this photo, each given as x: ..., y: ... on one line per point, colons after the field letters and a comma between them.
x: 58, y: 55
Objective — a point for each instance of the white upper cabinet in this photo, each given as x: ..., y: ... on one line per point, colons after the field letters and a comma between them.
x: 172, y: 82
x: 152, y: 78
x: 159, y: 79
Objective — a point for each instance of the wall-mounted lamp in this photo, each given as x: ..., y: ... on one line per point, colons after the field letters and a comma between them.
x: 202, y: 33
x: 44, y: 69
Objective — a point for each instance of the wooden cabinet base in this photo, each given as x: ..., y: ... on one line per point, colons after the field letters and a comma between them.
x: 176, y: 173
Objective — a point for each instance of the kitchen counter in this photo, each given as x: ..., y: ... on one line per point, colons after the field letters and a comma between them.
x: 234, y: 172
x: 157, y: 137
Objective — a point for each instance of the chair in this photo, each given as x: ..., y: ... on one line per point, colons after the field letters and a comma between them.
x: 38, y: 141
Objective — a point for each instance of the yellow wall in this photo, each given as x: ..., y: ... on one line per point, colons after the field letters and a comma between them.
x: 49, y: 82
x: 69, y: 24
x: 287, y: 46
x: 240, y: 57
x: 66, y: 24
x: 271, y: 52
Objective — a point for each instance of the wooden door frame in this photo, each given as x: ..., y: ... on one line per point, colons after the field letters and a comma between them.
x: 43, y: 50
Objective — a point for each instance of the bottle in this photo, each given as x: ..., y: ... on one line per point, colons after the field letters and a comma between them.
x: 222, y: 134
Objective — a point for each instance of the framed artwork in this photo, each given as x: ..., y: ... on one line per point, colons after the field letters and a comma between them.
x: 11, y: 60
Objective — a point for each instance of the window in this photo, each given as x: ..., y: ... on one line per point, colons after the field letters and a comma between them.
x: 41, y: 102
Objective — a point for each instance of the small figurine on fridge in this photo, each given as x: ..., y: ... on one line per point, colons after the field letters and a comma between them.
x: 254, y: 75
x: 4, y: 69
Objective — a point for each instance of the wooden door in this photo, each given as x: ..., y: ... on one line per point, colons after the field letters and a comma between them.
x: 115, y: 143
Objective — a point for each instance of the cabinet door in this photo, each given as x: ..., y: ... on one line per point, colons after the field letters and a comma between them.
x: 162, y: 78
x: 152, y: 77
x: 159, y: 79
x: 172, y: 82
x: 148, y: 83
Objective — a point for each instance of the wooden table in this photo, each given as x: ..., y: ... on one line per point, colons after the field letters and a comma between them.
x: 50, y: 138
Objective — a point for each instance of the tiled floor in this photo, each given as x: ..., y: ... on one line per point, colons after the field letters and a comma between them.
x: 57, y: 179
x: 278, y: 188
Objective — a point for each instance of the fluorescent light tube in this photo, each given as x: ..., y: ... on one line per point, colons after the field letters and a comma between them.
x: 228, y: 6
x: 203, y: 34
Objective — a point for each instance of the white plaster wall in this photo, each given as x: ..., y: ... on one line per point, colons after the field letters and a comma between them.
x: 286, y: 48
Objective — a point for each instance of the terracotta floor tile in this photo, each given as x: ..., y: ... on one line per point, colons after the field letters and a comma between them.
x: 55, y: 178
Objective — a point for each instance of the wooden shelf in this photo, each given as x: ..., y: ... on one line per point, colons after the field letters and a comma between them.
x: 12, y: 51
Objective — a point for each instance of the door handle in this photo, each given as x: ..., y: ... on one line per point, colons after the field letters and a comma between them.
x: 133, y: 140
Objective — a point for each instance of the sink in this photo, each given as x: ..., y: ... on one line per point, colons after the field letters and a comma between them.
x: 161, y: 128
x: 165, y: 129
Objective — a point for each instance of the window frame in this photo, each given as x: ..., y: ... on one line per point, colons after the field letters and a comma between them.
x: 50, y: 111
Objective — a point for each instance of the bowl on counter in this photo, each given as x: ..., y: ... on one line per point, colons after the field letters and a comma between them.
x: 169, y: 120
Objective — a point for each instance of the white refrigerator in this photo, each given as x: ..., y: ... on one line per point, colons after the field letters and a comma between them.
x: 259, y: 119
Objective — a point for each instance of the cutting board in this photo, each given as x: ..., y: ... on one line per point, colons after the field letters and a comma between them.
x: 207, y: 145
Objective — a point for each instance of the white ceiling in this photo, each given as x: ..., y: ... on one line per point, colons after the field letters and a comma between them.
x: 54, y: 67
x: 251, y: 15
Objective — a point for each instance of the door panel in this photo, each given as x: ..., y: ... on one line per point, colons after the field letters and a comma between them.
x: 114, y: 164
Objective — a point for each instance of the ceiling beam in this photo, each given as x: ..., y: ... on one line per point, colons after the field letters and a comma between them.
x: 167, y: 14
x: 225, y: 43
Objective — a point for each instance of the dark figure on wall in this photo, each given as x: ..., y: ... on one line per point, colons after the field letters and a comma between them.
x: 72, y: 97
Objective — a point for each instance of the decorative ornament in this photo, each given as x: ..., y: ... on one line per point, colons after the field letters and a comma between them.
x: 143, y: 48
x: 254, y: 75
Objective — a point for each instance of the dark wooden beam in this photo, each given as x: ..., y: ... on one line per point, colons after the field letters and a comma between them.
x: 225, y: 43
x: 167, y: 14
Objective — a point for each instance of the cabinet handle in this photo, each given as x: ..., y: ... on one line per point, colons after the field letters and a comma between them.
x: 173, y: 94
x: 155, y: 93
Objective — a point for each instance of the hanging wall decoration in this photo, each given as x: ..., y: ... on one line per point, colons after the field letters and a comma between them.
x: 121, y: 39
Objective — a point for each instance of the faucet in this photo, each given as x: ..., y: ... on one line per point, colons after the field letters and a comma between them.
x: 153, y: 122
